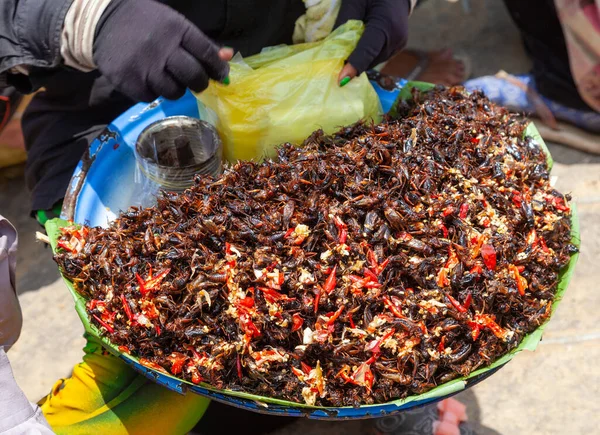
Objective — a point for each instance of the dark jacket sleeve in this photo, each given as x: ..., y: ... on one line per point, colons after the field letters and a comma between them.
x: 30, y: 32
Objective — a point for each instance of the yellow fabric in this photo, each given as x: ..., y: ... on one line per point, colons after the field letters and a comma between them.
x: 105, y: 396
x: 318, y: 21
x: 286, y: 92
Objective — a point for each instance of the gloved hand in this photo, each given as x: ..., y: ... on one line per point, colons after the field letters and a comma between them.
x: 146, y: 49
x: 386, y: 32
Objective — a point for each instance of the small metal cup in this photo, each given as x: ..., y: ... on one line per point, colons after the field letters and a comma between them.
x: 170, y: 152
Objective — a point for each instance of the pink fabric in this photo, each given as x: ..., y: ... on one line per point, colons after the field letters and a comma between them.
x: 580, y: 20
x: 591, y: 13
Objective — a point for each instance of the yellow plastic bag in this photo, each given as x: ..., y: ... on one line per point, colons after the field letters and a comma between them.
x: 285, y: 93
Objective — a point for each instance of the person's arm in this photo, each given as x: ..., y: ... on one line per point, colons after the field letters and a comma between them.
x: 386, y: 31
x: 30, y: 34
x: 144, y: 48
x: 17, y: 414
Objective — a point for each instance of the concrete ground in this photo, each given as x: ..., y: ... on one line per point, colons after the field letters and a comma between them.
x: 554, y: 390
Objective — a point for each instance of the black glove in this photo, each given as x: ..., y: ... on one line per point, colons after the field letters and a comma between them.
x: 146, y: 49
x: 386, y: 29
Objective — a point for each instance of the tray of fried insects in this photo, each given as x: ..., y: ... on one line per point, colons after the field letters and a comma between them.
x: 360, y: 274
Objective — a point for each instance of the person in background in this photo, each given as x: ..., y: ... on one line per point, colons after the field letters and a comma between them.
x: 562, y: 39
x: 17, y: 414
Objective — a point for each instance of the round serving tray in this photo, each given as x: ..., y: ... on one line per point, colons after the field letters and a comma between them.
x: 103, y: 184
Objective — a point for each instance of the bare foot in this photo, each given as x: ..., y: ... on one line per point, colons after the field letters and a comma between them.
x: 442, y: 68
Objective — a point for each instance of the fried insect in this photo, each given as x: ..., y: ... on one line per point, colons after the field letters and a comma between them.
x: 358, y: 268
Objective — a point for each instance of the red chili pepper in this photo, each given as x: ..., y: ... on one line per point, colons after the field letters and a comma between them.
x: 297, y: 322
x: 344, y: 375
x: 95, y: 303
x: 247, y: 302
x: 376, y: 350
x: 335, y: 315
x: 371, y: 275
x: 456, y: 304
x: 371, y: 284
x: 273, y: 295
x: 272, y: 266
x: 442, y: 344
x: 442, y: 278
x: 196, y: 377
x: 351, y: 321
x: 517, y: 198
x: 489, y: 322
x: 331, y: 280
x: 157, y: 329
x: 150, y: 284
x: 299, y: 373
x: 475, y: 329
x: 444, y: 230
x: 521, y: 282
x: 127, y: 309
x: 372, y: 258
x: 382, y: 266
x: 281, y: 278
x: 228, y: 248
x: 521, y: 268
x: 124, y: 349
x: 559, y: 204
x: 65, y: 245
x: 109, y: 328
x: 543, y: 244
x: 468, y: 300
x: 142, y: 284
x: 249, y: 327
x: 289, y: 233
x: 532, y: 238
x: 476, y: 269
x: 488, y: 253
x: 474, y: 140
x: 317, y: 299
x: 342, y: 229
x: 239, y: 366
x: 305, y: 367
x: 396, y: 311
x: 177, y: 361
x: 448, y: 211
x: 452, y: 258
x: 464, y: 210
